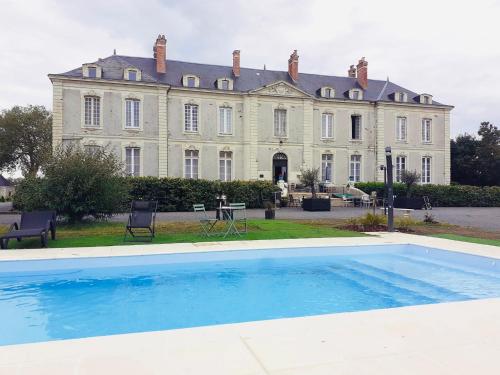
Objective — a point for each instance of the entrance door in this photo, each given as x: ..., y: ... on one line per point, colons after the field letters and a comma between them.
x: 280, y: 167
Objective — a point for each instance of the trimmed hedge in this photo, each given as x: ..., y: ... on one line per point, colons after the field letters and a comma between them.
x: 179, y: 194
x: 443, y: 195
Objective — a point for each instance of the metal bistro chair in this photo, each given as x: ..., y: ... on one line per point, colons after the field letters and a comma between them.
x: 427, y: 203
x: 207, y: 224
x: 141, y: 221
x: 239, y: 216
x: 366, y: 201
x: 348, y: 202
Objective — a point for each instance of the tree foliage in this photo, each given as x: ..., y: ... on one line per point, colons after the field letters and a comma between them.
x: 410, y: 179
x: 25, y: 138
x: 309, y: 177
x: 477, y: 161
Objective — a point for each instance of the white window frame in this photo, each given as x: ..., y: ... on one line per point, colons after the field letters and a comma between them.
x: 225, y: 165
x: 401, y: 128
x: 401, y: 165
x: 133, y: 161
x: 91, y: 148
x: 356, y: 94
x: 92, y: 111
x: 225, y: 120
x: 327, y: 121
x: 426, y: 130
x: 327, y: 162
x: 191, y: 118
x: 360, y: 125
x: 192, y: 168
x: 132, y: 113
x: 280, y: 122
x: 426, y: 175
x: 355, y: 168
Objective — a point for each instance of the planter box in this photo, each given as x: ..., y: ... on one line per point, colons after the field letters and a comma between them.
x: 413, y: 203
x: 316, y: 204
x: 270, y: 214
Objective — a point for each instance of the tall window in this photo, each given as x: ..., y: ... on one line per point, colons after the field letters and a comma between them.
x: 355, y: 168
x: 132, y: 75
x: 426, y: 130
x: 326, y: 167
x: 356, y: 95
x: 92, y: 71
x: 355, y: 127
x: 426, y: 170
x: 132, y: 108
x: 400, y: 167
x: 327, y: 125
x: 92, y: 111
x: 191, y: 117
x: 328, y: 93
x: 225, y: 120
x: 191, y: 82
x: 225, y: 165
x: 191, y: 164
x: 401, y: 128
x: 401, y: 97
x: 225, y: 84
x: 133, y: 161
x: 280, y: 122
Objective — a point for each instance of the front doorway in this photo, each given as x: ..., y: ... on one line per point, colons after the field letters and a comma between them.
x: 280, y: 167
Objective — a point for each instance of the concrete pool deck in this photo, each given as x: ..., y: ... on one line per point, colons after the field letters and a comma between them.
x: 447, y: 338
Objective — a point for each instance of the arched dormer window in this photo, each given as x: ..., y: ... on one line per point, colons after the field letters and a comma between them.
x: 425, y: 99
x: 356, y: 94
x: 225, y: 83
x: 327, y: 92
x: 190, y: 80
x: 91, y: 71
x: 132, y: 74
x: 401, y: 97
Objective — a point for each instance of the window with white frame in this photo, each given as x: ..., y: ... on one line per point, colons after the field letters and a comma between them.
x: 355, y: 94
x: 426, y: 130
x: 191, y: 82
x: 92, y: 111
x: 327, y: 125
x: 355, y: 168
x: 92, y: 72
x: 400, y: 167
x: 133, y: 161
x: 132, y: 75
x: 327, y: 167
x: 401, y: 97
x: 426, y: 170
x: 191, y: 164
x: 401, y: 129
x: 356, y: 127
x: 91, y: 149
x: 132, y: 112
x: 280, y: 123
x: 225, y: 165
x: 191, y: 117
x: 225, y: 84
x: 328, y: 92
x: 225, y: 120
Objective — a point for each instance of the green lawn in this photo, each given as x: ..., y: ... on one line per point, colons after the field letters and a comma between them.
x: 456, y: 237
x: 111, y: 234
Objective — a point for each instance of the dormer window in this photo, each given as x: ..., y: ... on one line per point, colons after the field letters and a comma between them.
x: 225, y: 84
x: 91, y: 71
x: 401, y: 97
x: 425, y: 99
x: 327, y: 92
x: 132, y: 75
x: 190, y: 81
x: 356, y: 94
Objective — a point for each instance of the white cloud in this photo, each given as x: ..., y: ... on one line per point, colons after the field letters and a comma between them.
x: 446, y: 48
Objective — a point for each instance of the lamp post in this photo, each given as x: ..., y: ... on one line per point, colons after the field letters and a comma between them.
x: 384, y: 197
x: 390, y: 194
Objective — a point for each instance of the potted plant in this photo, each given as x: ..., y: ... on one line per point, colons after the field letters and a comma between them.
x: 410, y: 179
x: 310, y: 178
x: 270, y: 212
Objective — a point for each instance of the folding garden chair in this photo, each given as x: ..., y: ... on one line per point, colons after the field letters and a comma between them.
x: 141, y: 221
x: 207, y: 224
x: 239, y: 212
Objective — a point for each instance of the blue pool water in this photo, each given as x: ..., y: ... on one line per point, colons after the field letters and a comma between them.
x: 72, y: 298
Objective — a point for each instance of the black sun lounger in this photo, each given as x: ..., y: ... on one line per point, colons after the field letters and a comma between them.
x: 33, y: 224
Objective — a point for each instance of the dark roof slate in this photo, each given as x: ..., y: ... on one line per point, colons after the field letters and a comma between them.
x: 4, y: 181
x: 249, y: 79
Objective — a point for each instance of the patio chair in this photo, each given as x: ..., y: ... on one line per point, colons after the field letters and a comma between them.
x: 348, y: 202
x: 366, y: 202
x: 292, y: 201
x: 141, y: 221
x: 240, y: 215
x: 207, y: 224
x: 33, y: 224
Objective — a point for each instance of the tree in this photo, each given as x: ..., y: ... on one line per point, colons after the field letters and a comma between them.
x: 410, y: 179
x: 489, y: 155
x: 25, y: 138
x: 310, y: 178
x: 77, y: 183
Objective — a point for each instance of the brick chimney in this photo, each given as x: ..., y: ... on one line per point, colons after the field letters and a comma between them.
x: 362, y: 73
x: 293, y: 66
x: 160, y: 54
x: 351, y: 72
x: 236, y: 62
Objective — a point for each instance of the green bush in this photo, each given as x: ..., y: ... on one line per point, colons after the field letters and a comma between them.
x: 443, y: 195
x: 77, y: 183
x: 179, y: 194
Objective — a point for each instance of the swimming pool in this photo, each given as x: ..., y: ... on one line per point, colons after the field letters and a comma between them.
x: 42, y: 300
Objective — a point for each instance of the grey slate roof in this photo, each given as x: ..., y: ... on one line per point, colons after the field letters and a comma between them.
x: 249, y: 79
x: 4, y: 181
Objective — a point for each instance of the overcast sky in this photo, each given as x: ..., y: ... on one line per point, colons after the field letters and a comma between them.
x: 449, y: 49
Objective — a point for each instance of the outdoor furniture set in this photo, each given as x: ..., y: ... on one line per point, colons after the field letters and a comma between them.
x: 232, y: 216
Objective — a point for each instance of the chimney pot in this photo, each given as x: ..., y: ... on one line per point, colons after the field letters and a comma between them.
x: 236, y: 62
x: 351, y: 72
x: 160, y: 54
x: 293, y: 66
x: 362, y: 73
